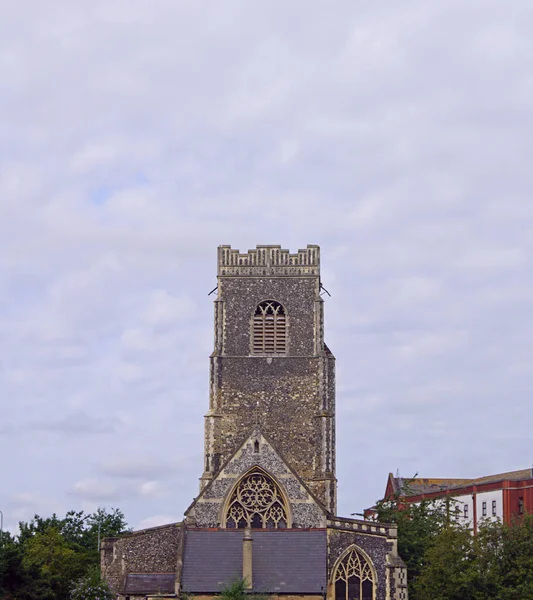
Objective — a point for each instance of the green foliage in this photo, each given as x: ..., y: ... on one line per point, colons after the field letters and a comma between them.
x: 418, y: 525
x: 446, y: 561
x: 513, y: 563
x: 52, y: 563
x: 49, y: 554
x: 91, y: 587
x: 236, y: 590
x: 449, y: 570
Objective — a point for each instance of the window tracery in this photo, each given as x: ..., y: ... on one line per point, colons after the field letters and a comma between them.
x: 257, y: 502
x: 354, y: 578
x: 269, y: 330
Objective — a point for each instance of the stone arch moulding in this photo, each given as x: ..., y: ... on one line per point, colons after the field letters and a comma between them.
x: 269, y: 331
x: 356, y: 560
x: 259, y: 502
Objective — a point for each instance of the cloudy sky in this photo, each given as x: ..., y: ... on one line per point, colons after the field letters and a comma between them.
x: 136, y: 136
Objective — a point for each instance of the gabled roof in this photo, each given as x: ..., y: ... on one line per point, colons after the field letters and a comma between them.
x: 255, y: 433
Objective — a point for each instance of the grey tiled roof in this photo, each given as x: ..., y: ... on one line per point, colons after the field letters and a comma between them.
x: 290, y: 561
x: 150, y: 583
x: 211, y: 560
x: 287, y: 561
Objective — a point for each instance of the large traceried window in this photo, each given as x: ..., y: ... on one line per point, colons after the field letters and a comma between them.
x: 257, y: 502
x: 354, y: 578
x: 269, y: 329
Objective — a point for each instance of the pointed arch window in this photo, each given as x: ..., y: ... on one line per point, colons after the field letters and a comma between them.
x: 269, y: 329
x: 257, y: 502
x: 354, y: 578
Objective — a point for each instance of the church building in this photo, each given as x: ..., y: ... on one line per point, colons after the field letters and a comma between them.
x: 266, y: 512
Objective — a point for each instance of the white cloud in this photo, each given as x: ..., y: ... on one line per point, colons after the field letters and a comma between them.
x: 135, y: 467
x: 156, y: 520
x: 153, y: 489
x: 96, y: 490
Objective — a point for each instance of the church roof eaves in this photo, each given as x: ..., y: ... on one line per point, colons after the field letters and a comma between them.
x: 144, y: 531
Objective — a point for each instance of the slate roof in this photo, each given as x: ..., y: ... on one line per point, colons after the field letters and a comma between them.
x: 285, y: 561
x: 423, y: 485
x: 510, y: 475
x: 150, y: 583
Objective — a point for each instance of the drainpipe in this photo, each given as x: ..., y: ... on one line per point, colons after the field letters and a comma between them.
x: 474, y: 511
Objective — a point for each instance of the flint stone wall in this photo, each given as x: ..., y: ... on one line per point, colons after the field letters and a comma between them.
x: 377, y: 545
x: 207, y: 511
x: 152, y: 550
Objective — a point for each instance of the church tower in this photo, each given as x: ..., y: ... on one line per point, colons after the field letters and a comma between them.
x: 266, y: 511
x: 270, y: 369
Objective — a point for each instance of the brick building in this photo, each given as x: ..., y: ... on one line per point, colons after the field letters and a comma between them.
x: 504, y: 496
x: 266, y: 509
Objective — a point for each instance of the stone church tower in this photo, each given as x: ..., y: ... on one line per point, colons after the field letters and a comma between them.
x: 270, y: 367
x: 266, y: 510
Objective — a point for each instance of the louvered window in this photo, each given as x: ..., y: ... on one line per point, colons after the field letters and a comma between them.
x: 269, y: 333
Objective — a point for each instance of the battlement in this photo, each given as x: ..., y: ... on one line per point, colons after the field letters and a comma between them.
x: 270, y: 261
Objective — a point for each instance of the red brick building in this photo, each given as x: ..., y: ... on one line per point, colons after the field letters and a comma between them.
x: 504, y: 496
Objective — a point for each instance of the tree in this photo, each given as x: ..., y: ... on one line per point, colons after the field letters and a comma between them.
x: 52, y: 563
x: 9, y: 563
x: 449, y: 568
x: 91, y: 587
x: 516, y: 560
x: 49, y: 554
x: 418, y: 526
x: 496, y: 564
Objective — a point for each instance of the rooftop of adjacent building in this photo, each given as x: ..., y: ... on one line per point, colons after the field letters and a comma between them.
x: 422, y: 485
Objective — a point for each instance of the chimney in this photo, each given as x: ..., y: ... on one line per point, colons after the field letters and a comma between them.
x: 247, y: 558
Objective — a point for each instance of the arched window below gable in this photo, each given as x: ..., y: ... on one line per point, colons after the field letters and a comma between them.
x: 256, y: 502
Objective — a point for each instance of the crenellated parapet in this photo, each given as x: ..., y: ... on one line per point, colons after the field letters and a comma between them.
x: 270, y: 261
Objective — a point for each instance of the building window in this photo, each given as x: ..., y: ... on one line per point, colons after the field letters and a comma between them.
x: 494, y: 508
x: 484, y: 509
x: 354, y: 578
x: 269, y: 329
x: 520, y: 506
x: 465, y: 511
x: 257, y: 502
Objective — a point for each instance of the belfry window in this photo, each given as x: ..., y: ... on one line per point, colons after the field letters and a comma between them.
x: 354, y: 579
x: 257, y: 502
x: 269, y: 329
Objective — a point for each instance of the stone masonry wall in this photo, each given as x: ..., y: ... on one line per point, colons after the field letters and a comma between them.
x: 207, y: 511
x: 282, y: 396
x: 152, y: 550
x: 291, y: 397
x: 241, y: 296
x: 379, y: 541
x: 375, y: 546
